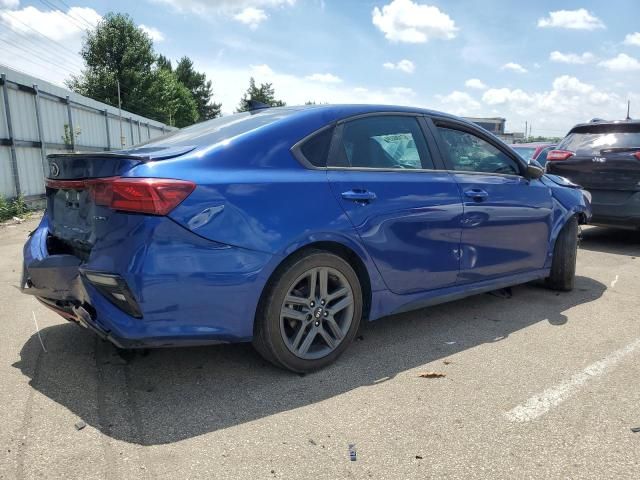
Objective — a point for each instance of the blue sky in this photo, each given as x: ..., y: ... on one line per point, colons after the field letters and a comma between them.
x: 552, y: 63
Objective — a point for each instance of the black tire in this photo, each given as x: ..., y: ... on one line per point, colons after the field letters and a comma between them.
x: 269, y: 339
x: 563, y: 265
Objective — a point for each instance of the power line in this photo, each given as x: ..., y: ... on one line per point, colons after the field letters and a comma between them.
x: 49, y: 39
x: 69, y: 17
x: 79, y: 17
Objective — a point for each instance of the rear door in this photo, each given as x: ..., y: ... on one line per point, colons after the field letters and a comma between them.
x: 507, y: 218
x: 407, y: 213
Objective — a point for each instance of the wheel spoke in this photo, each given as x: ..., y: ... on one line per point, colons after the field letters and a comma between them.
x: 295, y: 300
x: 324, y: 282
x: 313, y: 284
x: 334, y: 327
x: 341, y: 305
x: 329, y: 340
x: 287, y: 312
x: 296, y: 341
x: 341, y: 292
x: 304, y: 348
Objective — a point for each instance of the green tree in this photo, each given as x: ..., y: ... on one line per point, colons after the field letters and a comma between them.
x: 199, y: 87
x: 117, y: 50
x: 164, y: 63
x: 172, y: 101
x: 263, y: 94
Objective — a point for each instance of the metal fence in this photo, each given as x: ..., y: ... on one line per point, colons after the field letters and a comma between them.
x: 38, y: 118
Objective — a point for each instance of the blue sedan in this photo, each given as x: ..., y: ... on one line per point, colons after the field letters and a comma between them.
x: 289, y: 226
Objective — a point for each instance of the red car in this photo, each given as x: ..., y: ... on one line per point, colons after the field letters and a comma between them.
x: 534, y: 151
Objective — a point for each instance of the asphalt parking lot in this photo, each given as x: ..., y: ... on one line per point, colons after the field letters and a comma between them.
x: 538, y: 385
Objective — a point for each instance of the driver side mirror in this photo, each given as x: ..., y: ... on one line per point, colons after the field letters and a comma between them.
x: 534, y: 170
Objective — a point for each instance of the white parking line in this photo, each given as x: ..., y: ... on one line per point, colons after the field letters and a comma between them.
x: 552, y: 397
x: 613, y: 284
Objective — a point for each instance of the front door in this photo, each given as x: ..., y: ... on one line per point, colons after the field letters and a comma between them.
x: 507, y: 218
x: 406, y: 212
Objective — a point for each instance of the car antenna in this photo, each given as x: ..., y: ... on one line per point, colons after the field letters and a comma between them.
x: 256, y: 105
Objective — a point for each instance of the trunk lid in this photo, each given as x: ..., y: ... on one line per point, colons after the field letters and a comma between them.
x: 75, y: 221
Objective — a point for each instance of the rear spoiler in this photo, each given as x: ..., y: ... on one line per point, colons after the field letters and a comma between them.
x: 140, y: 154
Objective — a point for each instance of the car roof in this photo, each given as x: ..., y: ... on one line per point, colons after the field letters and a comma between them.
x: 338, y: 111
x: 631, y: 121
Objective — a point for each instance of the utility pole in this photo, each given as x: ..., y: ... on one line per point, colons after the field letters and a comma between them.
x: 628, y: 109
x: 525, y: 131
x: 122, y: 141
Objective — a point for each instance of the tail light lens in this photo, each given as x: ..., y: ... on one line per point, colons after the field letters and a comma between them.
x: 154, y: 196
x: 637, y: 154
x: 556, y: 155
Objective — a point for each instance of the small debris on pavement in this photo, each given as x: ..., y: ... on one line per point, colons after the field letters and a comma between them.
x: 450, y: 343
x: 447, y: 362
x: 359, y: 338
x: 352, y: 452
x: 635, y: 429
x: 418, y: 457
x: 312, y: 441
x: 432, y: 375
x: 80, y: 425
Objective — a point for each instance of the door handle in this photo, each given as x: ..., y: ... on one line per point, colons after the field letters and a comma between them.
x: 477, y: 194
x: 363, y: 196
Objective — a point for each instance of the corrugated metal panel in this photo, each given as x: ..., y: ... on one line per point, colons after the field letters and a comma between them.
x: 90, y: 127
x: 23, y: 115
x: 30, y: 171
x: 54, y: 118
x: 6, y: 175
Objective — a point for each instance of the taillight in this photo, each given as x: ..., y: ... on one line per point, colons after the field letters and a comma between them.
x: 637, y: 154
x: 555, y: 155
x: 154, y: 196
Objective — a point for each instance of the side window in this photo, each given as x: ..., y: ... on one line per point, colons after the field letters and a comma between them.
x: 384, y: 141
x: 316, y: 149
x: 473, y: 154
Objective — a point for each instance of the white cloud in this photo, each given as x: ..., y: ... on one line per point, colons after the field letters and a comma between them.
x: 54, y: 24
x: 574, y: 58
x: 251, y: 16
x: 324, y: 78
x: 459, y: 103
x: 10, y: 4
x: 405, y: 66
x: 229, y: 7
x: 580, y: 19
x: 155, y: 34
x: 410, y: 22
x: 632, y: 39
x: 45, y: 43
x: 498, y: 96
x: 475, y: 83
x: 621, y: 63
x: 514, y: 67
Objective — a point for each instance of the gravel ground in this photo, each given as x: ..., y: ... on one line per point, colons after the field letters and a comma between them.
x: 539, y: 385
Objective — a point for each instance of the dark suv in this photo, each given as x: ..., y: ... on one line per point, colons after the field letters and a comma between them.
x: 604, y: 157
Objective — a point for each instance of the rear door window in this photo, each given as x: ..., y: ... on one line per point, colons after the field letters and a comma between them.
x: 383, y: 142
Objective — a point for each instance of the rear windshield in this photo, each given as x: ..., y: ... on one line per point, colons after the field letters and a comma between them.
x: 218, y: 129
x: 592, y: 141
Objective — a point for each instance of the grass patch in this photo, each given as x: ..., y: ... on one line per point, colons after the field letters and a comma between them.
x: 15, y: 207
